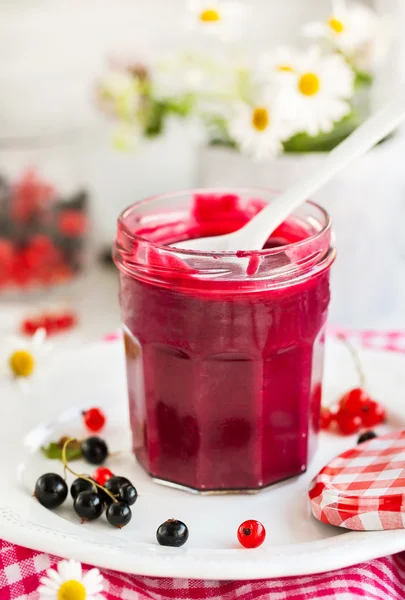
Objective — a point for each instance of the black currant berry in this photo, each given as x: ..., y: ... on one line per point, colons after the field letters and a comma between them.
x: 119, y: 514
x: 128, y: 494
x: 367, y: 435
x: 51, y: 490
x: 172, y: 533
x: 81, y: 485
x: 94, y: 450
x: 88, y: 505
x: 114, y: 484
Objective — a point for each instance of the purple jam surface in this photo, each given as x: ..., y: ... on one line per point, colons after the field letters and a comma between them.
x: 225, y: 386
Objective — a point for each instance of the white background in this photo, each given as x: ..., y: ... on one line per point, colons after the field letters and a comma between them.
x: 52, y: 51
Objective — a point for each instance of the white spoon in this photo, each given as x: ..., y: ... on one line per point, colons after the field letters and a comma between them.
x: 254, y: 234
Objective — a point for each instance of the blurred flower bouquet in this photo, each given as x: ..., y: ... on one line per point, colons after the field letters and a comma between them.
x: 281, y: 100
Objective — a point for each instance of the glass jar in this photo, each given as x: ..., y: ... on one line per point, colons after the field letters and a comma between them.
x: 224, y: 351
x: 43, y: 212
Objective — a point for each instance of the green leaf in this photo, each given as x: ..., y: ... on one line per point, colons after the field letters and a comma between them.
x: 362, y: 78
x: 302, y: 142
x: 54, y: 450
x: 218, y: 134
x: 181, y: 106
x: 154, y: 120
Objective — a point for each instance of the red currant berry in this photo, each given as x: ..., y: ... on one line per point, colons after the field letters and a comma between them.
x: 373, y: 414
x: 65, y: 321
x: 348, y: 423
x: 251, y: 534
x: 354, y: 401
x: 94, y: 419
x: 29, y: 326
x: 50, y: 324
x: 72, y: 223
x: 326, y: 418
x: 6, y: 252
x: 102, y: 475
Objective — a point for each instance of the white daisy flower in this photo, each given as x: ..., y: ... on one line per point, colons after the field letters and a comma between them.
x: 258, y: 129
x: 316, y: 97
x: 21, y: 357
x: 119, y: 94
x: 275, y: 65
x: 67, y: 582
x: 211, y: 79
x: 178, y: 74
x: 349, y: 27
x: 221, y: 18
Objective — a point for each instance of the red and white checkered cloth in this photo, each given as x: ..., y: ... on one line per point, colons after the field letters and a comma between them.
x: 382, y: 579
x: 363, y: 488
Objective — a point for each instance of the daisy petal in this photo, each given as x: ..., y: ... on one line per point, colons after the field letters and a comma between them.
x: 65, y: 571
x: 93, y: 581
x: 39, y: 337
x: 49, y: 583
x: 54, y: 576
x: 46, y: 593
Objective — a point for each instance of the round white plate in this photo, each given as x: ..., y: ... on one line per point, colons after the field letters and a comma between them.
x: 296, y: 543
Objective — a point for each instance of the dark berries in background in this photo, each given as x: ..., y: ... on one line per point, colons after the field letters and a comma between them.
x: 51, y: 490
x: 119, y: 514
x: 94, y: 450
x: 128, y: 494
x: 88, y: 505
x: 366, y: 436
x: 113, y: 485
x: 172, y: 533
x: 81, y: 485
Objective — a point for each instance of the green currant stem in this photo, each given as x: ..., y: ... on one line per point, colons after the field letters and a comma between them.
x: 79, y: 475
x: 356, y: 360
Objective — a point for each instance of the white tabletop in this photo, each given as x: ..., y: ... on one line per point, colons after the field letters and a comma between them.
x: 93, y: 298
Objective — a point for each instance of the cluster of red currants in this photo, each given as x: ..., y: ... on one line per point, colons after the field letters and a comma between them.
x: 41, y: 234
x: 51, y: 322
x: 356, y: 410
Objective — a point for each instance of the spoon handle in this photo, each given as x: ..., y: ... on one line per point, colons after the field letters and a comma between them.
x: 357, y: 143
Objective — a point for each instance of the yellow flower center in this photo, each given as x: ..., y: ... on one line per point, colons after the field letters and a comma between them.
x: 210, y: 15
x: 72, y: 590
x: 285, y: 68
x: 260, y: 118
x: 336, y: 25
x: 309, y: 84
x: 22, y: 363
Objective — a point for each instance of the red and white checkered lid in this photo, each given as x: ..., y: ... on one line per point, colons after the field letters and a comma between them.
x: 363, y: 488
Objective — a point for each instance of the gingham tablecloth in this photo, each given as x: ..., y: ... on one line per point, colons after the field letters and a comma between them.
x: 381, y: 579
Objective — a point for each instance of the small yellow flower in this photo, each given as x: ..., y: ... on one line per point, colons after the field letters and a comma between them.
x: 258, y: 130
x: 21, y: 357
x: 316, y: 94
x: 285, y: 68
x: 210, y: 15
x: 72, y: 590
x: 22, y: 363
x: 260, y: 118
x: 275, y: 66
x: 336, y: 25
x: 350, y: 27
x: 67, y: 582
x: 221, y: 18
x: 309, y: 84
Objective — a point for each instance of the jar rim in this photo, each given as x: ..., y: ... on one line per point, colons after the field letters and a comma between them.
x: 223, y: 254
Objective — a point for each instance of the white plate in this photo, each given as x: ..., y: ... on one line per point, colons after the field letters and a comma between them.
x: 296, y: 543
